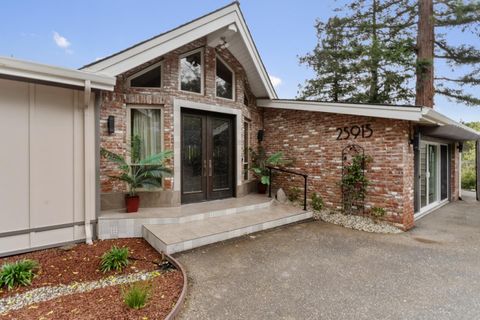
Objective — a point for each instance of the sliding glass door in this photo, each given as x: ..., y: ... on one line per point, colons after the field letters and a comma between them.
x: 433, y: 174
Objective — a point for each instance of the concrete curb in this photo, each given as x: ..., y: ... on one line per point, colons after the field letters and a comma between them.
x: 181, y: 300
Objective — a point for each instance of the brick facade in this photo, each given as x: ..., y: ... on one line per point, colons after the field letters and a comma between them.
x: 310, y: 139
x: 116, y: 103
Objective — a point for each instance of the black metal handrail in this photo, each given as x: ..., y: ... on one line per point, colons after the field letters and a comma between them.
x: 304, y: 175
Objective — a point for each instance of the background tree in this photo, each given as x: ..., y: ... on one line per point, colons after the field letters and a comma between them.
x: 468, y: 160
x: 333, y: 60
x: 458, y: 16
x: 380, y: 41
x: 368, y: 47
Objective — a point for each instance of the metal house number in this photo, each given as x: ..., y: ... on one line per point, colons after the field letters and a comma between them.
x: 365, y: 131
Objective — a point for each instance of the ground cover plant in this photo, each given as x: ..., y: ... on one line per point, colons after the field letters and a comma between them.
x: 77, y: 266
x: 136, y: 295
x: 19, y: 273
x: 114, y: 259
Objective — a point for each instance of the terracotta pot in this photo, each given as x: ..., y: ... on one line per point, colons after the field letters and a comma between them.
x: 262, y: 188
x: 132, y: 203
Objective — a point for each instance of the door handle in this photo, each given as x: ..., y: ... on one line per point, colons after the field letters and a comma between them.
x: 210, y: 167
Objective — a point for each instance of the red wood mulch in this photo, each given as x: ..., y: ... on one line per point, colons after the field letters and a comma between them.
x: 81, y: 263
x: 106, y: 303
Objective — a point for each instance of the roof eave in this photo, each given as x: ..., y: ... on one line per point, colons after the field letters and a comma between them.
x: 41, y: 72
x: 171, y: 40
x: 366, y: 110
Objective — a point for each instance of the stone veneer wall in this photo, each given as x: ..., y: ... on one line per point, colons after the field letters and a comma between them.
x: 309, y: 138
x: 115, y: 104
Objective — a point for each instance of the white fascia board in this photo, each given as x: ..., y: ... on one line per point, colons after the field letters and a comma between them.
x: 42, y: 72
x: 181, y: 36
x: 428, y: 114
x: 252, y: 49
x: 135, y: 57
x: 365, y: 110
x: 106, y: 65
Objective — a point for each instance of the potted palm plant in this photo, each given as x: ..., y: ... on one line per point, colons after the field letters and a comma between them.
x: 139, y: 173
x: 260, y: 164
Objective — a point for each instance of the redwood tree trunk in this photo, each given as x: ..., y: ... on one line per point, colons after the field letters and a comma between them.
x: 425, y: 45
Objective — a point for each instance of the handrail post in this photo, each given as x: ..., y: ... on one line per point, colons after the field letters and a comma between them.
x: 269, y: 182
x: 305, y: 194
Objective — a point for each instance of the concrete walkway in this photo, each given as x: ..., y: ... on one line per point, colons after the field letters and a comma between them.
x: 316, y: 270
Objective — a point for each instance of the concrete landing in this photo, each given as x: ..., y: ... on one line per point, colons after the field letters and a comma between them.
x: 114, y: 224
x: 178, y: 237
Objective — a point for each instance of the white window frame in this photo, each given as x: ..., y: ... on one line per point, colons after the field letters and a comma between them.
x: 233, y: 79
x: 139, y: 73
x: 202, y: 71
x: 129, y: 133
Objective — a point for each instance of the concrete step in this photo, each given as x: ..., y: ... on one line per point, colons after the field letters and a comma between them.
x: 180, y: 237
x: 114, y: 224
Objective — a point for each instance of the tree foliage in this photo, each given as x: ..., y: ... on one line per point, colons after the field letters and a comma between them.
x: 364, y: 54
x: 367, y: 52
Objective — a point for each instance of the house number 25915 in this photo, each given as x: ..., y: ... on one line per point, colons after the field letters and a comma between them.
x: 365, y: 131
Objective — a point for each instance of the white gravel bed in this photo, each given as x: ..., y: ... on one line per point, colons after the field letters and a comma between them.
x: 356, y: 222
x: 51, y: 292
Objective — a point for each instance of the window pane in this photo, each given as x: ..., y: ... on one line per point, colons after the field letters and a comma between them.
x: 191, y: 73
x: 423, y: 175
x: 146, y: 124
x: 192, y: 153
x: 224, y: 81
x: 149, y: 79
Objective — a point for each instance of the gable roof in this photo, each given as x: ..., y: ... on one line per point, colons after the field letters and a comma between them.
x: 434, y: 123
x: 241, y: 45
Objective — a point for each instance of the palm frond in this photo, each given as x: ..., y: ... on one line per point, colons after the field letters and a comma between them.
x: 158, y: 158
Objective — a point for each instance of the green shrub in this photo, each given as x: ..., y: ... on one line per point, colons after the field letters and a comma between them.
x: 114, y: 259
x: 317, y: 202
x: 377, y: 212
x: 294, y: 194
x: 468, y: 179
x: 136, y: 295
x: 18, y: 273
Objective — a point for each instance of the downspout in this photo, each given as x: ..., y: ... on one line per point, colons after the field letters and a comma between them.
x: 87, y: 171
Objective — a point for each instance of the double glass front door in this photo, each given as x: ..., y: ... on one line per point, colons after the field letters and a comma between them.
x: 207, y: 156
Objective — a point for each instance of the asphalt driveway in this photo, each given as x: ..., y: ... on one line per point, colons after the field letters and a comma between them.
x: 316, y: 270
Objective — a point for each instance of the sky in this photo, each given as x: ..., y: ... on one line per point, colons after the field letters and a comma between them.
x: 74, y: 33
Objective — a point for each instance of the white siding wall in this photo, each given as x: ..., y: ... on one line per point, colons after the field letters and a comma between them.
x: 42, y: 165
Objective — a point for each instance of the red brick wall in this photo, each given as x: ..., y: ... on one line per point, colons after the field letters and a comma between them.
x: 310, y: 138
x: 116, y: 104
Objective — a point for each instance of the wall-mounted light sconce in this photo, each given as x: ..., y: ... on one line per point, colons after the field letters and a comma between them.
x: 415, y: 141
x: 260, y: 134
x: 111, y: 124
x: 460, y: 147
x: 223, y: 44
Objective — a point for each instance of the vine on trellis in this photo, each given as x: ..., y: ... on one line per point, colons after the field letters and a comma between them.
x: 354, y: 183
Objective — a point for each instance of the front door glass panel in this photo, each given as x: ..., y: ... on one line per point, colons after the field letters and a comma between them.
x: 192, y: 154
x: 221, y: 150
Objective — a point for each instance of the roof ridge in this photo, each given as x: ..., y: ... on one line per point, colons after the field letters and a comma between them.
x: 159, y: 35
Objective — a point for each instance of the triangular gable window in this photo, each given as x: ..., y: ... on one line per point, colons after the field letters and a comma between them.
x: 150, y: 77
